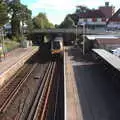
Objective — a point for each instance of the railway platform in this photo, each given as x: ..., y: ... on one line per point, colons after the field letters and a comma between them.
x: 72, y: 105
x: 13, y: 61
x: 91, y: 92
x: 72, y: 59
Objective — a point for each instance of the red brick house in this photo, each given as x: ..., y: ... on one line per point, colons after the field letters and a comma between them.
x: 114, y: 22
x: 96, y: 18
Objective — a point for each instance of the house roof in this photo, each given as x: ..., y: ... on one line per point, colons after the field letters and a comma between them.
x: 94, y: 37
x: 108, y: 41
x: 115, y: 17
x: 92, y: 14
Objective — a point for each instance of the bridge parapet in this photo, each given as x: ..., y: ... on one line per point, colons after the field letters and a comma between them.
x: 71, y: 30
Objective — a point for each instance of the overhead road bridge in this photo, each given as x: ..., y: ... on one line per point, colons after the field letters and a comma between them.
x: 67, y: 30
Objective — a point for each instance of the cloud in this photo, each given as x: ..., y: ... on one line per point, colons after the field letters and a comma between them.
x: 69, y: 4
x: 60, y: 8
x: 53, y: 4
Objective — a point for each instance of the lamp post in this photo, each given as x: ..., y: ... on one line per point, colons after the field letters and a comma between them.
x: 83, y: 38
x: 76, y: 34
x: 76, y: 31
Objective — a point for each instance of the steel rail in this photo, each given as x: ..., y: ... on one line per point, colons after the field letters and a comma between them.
x: 12, y: 79
x: 32, y: 112
x: 42, y: 116
x: 11, y: 97
x: 56, y: 98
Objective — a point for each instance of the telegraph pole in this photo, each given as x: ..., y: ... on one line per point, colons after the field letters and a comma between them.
x: 83, y: 39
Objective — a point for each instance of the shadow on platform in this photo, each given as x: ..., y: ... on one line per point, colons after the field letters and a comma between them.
x: 99, y: 97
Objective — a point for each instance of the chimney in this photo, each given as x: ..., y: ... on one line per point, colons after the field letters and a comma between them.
x: 106, y: 4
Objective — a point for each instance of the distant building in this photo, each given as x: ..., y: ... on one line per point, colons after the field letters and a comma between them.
x: 96, y: 18
x: 92, y: 19
x: 107, y: 10
x: 7, y: 28
x: 114, y: 22
x: 106, y: 41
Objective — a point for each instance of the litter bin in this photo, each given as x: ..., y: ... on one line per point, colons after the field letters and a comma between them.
x: 25, y: 44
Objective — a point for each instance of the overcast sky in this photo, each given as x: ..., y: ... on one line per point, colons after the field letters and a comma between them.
x: 56, y: 10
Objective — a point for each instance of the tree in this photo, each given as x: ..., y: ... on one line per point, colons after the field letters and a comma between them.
x: 20, y: 15
x: 26, y: 19
x: 75, y: 17
x: 3, y: 14
x: 41, y: 21
x: 72, y: 19
x: 81, y: 9
x: 56, y: 26
x: 67, y: 23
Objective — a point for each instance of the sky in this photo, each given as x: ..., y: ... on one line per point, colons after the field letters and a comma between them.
x: 56, y: 10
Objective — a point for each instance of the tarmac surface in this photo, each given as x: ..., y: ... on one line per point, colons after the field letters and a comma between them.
x: 97, y: 89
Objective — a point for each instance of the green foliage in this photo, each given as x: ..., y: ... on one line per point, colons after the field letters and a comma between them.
x: 81, y: 9
x: 56, y: 26
x: 20, y: 14
x: 17, y: 38
x: 41, y: 21
x: 14, y: 38
x: 72, y: 19
x: 75, y: 17
x: 10, y: 45
x: 67, y: 23
x: 3, y: 14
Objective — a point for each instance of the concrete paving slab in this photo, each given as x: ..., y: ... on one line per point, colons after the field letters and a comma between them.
x: 13, y: 61
x: 91, y: 92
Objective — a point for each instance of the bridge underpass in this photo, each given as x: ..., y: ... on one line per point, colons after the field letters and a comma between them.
x: 40, y: 37
x: 69, y: 30
x: 67, y: 34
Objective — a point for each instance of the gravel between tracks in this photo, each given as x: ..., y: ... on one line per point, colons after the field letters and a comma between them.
x: 19, y: 107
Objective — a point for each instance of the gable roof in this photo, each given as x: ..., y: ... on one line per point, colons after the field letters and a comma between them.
x: 92, y: 14
x: 115, y: 17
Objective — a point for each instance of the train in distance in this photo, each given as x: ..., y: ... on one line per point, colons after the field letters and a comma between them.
x: 57, y: 47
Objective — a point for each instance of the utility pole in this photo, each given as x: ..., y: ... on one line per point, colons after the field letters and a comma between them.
x: 83, y: 39
x: 76, y: 35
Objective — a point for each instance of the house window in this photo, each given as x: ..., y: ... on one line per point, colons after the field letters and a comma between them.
x: 119, y: 15
x: 99, y: 19
x: 103, y: 19
x: 94, y: 19
x: 85, y: 19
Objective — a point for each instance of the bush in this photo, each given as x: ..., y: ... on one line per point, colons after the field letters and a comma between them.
x: 14, y: 38
x: 10, y: 45
x: 18, y: 38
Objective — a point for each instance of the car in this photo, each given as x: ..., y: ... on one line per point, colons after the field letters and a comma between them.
x: 116, y: 52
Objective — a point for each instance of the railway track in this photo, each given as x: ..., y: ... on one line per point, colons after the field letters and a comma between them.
x: 39, y: 106
x: 10, y: 90
x: 55, y: 108
x: 39, y: 82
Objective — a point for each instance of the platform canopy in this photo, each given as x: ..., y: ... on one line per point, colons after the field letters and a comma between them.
x: 94, y: 37
x: 109, y: 57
